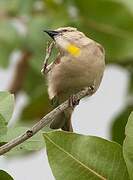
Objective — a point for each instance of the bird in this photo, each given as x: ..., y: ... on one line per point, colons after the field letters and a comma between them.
x: 79, y: 64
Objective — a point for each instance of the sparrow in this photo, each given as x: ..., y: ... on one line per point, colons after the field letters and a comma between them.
x: 79, y: 64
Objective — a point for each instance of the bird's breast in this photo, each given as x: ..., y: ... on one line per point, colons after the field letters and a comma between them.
x: 73, y: 74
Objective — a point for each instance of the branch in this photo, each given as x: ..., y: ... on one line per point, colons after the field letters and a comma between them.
x: 44, y: 121
x: 20, y: 72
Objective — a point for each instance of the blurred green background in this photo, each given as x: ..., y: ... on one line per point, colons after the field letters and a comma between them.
x: 109, y: 22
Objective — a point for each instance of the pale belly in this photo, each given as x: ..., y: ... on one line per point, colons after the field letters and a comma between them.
x: 70, y: 77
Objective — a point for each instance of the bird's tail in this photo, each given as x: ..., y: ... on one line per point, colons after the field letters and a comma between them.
x: 63, y: 121
x: 67, y: 126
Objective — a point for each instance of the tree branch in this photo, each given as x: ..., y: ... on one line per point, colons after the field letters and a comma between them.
x: 44, y: 121
x: 20, y: 72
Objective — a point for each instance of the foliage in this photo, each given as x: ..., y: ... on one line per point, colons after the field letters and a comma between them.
x: 9, y: 133
x: 118, y: 126
x: 128, y: 145
x: 6, y: 105
x: 5, y: 176
x: 73, y: 156
x: 70, y: 154
x: 33, y: 144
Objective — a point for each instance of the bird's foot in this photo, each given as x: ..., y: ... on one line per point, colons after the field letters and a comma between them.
x: 90, y: 90
x: 73, y: 101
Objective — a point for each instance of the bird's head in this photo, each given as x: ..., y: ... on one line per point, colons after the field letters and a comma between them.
x: 66, y: 39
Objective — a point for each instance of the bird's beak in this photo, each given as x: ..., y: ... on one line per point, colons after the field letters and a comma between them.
x: 52, y: 34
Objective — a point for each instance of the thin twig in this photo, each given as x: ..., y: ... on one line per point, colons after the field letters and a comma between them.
x: 43, y: 122
x: 48, y: 54
x: 52, y: 64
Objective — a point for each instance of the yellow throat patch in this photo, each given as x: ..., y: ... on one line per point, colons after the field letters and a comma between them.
x: 73, y: 50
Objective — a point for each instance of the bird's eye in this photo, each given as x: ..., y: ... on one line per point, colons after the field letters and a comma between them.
x: 65, y: 30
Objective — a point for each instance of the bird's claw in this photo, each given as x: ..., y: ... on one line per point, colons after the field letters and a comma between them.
x: 92, y: 88
x: 73, y: 101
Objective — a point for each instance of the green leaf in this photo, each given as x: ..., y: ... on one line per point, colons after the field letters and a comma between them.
x: 128, y: 146
x: 8, y: 6
x: 33, y: 88
x: 110, y: 23
x: 33, y: 144
x: 5, y: 176
x: 26, y: 7
x: 73, y: 156
x: 131, y: 81
x: 129, y: 126
x: 6, y: 105
x: 118, y: 125
x: 10, y: 40
x: 60, y: 7
x: 128, y: 3
x: 17, y: 7
x: 38, y: 106
x: 3, y: 125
